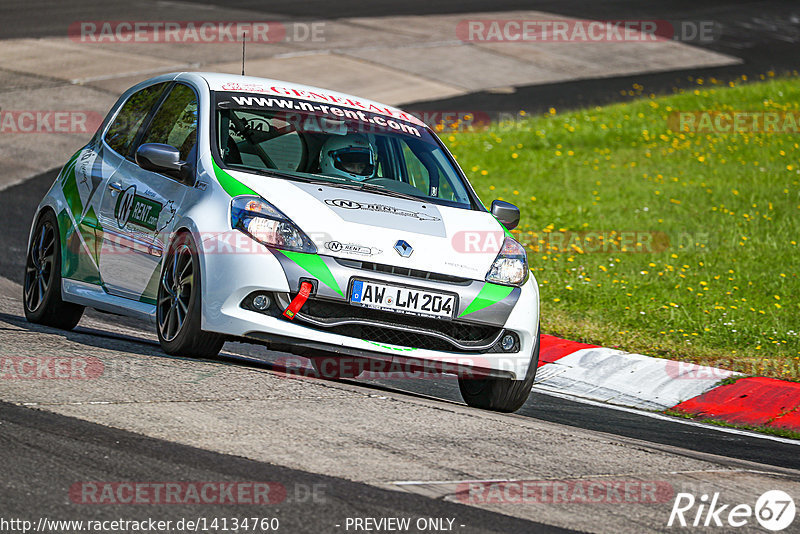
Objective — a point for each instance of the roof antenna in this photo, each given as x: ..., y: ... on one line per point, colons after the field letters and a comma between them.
x: 244, y: 35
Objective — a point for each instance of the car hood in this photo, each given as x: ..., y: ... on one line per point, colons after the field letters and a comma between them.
x: 359, y: 225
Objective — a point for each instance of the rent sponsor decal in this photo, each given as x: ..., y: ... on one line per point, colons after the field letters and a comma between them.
x: 351, y: 248
x: 329, y: 118
x: 314, y: 95
x: 379, y: 208
x: 137, y: 210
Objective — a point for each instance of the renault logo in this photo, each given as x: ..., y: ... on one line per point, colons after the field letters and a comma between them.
x: 403, y: 248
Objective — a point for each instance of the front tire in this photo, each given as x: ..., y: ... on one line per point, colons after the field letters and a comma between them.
x: 500, y: 394
x: 178, y: 304
x: 41, y: 288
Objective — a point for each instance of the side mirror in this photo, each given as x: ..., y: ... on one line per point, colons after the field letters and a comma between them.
x: 507, y: 213
x: 157, y: 157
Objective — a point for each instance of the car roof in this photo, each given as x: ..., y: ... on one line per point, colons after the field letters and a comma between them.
x: 252, y: 84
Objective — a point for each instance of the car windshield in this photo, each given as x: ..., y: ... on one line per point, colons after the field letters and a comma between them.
x: 340, y: 146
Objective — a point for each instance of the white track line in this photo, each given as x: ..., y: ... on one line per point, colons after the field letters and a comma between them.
x: 655, y: 415
x: 552, y: 393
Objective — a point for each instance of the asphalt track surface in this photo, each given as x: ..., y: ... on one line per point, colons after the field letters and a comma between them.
x: 18, y: 203
x: 49, y: 450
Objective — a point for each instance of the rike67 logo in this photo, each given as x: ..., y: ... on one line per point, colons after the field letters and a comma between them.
x: 774, y: 510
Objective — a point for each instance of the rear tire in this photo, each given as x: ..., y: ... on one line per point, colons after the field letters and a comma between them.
x: 41, y: 287
x: 178, y: 304
x: 500, y: 394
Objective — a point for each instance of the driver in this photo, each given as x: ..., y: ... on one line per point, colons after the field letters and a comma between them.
x: 350, y: 156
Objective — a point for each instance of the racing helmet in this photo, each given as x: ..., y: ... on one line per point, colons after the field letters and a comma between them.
x: 350, y: 156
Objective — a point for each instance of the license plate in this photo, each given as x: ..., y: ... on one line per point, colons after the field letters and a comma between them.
x: 406, y: 300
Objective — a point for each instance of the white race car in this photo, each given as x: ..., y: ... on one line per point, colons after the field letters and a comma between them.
x: 237, y: 208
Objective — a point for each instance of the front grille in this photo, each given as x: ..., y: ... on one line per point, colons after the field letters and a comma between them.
x: 403, y: 271
x: 398, y: 329
x: 390, y: 336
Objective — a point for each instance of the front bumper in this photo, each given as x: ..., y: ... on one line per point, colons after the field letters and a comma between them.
x: 228, y: 280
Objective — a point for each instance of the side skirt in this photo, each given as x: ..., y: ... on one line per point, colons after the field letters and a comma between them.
x: 94, y: 296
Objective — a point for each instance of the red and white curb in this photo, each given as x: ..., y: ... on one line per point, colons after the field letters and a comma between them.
x: 619, y: 378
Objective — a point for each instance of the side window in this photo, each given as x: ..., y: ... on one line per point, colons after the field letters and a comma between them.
x: 175, y: 122
x: 122, y: 132
x: 425, y: 171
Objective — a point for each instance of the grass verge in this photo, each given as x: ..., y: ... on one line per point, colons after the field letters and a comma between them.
x: 670, y: 243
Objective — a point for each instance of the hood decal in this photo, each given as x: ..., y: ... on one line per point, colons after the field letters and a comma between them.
x: 382, y: 208
x: 379, y: 210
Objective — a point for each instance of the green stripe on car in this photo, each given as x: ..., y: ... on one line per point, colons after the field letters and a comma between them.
x: 488, y: 295
x: 316, y: 267
x: 503, y: 226
x: 231, y: 185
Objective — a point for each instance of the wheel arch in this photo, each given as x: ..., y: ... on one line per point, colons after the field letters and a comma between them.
x: 47, y: 204
x: 186, y: 226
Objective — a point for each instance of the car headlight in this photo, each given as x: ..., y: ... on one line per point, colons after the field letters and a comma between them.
x: 268, y: 225
x: 510, y: 267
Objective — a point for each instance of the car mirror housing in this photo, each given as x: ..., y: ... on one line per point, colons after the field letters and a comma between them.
x: 506, y: 212
x: 158, y: 157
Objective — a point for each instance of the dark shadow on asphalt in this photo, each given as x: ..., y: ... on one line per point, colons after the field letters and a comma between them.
x: 52, y: 453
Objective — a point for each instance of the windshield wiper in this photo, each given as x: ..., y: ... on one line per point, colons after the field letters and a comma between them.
x: 379, y: 189
x: 276, y: 174
x: 389, y: 192
x: 356, y: 186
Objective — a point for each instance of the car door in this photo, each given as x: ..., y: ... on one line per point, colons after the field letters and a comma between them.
x: 140, y: 207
